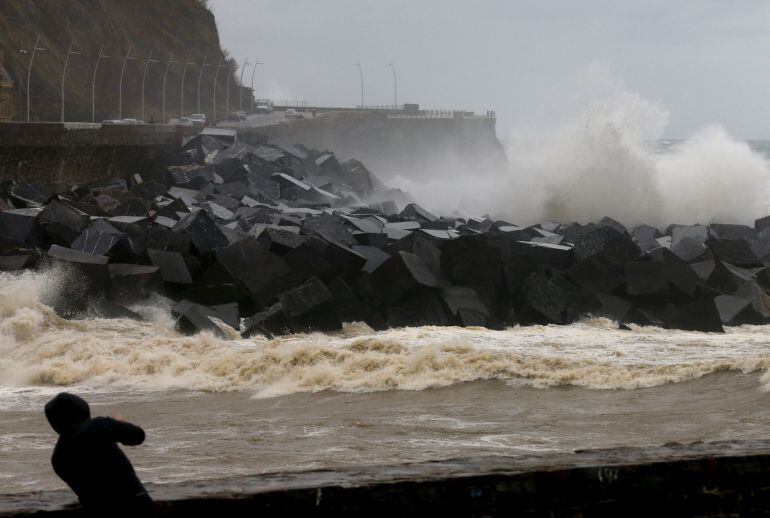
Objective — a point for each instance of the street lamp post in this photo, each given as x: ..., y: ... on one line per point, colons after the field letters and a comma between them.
x: 243, y: 69
x: 120, y: 89
x: 395, y: 86
x: 361, y: 73
x: 216, y: 75
x: 227, y: 89
x: 200, y: 76
x: 144, y: 78
x: 184, y: 72
x: 165, y: 76
x: 70, y: 52
x: 29, y: 72
x: 93, y: 83
x: 252, y: 82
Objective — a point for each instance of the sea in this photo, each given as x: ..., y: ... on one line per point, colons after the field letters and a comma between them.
x: 219, y: 408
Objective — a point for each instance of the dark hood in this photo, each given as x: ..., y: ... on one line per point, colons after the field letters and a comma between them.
x: 66, y: 410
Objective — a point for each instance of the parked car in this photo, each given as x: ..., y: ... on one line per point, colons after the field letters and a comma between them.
x: 130, y: 121
x: 112, y: 121
x: 241, y: 115
x: 291, y: 113
x: 198, y: 119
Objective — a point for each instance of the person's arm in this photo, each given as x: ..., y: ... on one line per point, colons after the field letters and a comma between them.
x: 122, y: 432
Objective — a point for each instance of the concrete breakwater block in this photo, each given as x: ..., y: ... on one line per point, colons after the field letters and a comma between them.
x: 290, y: 239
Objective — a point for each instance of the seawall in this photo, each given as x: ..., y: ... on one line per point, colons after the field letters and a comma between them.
x: 411, y: 147
x: 701, y: 479
x: 61, y: 155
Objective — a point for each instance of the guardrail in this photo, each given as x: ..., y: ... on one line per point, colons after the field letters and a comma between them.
x: 286, y: 103
x: 391, y: 111
x: 382, y: 107
x: 442, y: 114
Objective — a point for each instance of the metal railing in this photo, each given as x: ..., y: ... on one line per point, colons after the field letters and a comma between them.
x: 391, y: 111
x: 442, y: 114
x: 381, y: 107
x: 287, y: 103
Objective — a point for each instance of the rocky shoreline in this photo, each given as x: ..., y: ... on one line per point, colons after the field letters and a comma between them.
x: 274, y: 239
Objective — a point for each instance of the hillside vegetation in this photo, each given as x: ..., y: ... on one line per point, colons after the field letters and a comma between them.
x: 167, y: 27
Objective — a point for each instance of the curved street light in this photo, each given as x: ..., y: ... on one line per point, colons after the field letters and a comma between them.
x: 120, y: 89
x: 93, y: 83
x: 216, y: 75
x: 144, y: 78
x: 200, y: 76
x: 184, y: 72
x: 29, y: 72
x: 259, y: 62
x: 165, y: 76
x: 361, y: 73
x: 70, y: 52
x: 227, y: 88
x: 243, y: 69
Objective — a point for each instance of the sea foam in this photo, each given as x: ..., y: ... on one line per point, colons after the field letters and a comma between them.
x: 39, y: 349
x: 607, y: 162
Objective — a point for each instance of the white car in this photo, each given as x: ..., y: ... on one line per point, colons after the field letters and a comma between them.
x: 291, y: 113
x: 130, y: 121
x: 198, y: 119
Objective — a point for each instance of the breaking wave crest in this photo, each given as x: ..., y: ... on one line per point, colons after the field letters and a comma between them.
x: 608, y: 161
x: 37, y: 348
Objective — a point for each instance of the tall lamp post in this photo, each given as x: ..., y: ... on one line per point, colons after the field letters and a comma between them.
x: 184, y: 73
x: 361, y: 73
x: 93, y: 83
x: 144, y: 78
x: 120, y: 89
x: 259, y: 62
x: 395, y: 85
x: 200, y: 76
x: 243, y: 69
x: 70, y: 52
x: 165, y: 76
x: 29, y: 72
x: 227, y: 89
x: 216, y: 75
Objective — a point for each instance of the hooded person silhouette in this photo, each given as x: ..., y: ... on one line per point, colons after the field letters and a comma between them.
x: 87, y: 457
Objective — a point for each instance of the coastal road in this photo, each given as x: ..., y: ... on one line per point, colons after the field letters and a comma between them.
x: 259, y: 119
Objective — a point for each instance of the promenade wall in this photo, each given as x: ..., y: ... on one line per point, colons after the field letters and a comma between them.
x: 62, y: 155
x: 701, y: 479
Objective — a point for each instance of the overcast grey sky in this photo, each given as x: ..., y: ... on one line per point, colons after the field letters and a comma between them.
x: 533, y: 61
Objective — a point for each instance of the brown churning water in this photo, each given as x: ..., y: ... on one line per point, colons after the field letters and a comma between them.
x: 226, y: 407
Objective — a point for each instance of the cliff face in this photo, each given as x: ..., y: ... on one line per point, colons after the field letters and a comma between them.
x: 179, y: 27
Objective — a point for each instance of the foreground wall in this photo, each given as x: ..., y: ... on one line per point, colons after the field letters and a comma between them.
x: 713, y: 479
x: 61, y: 155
